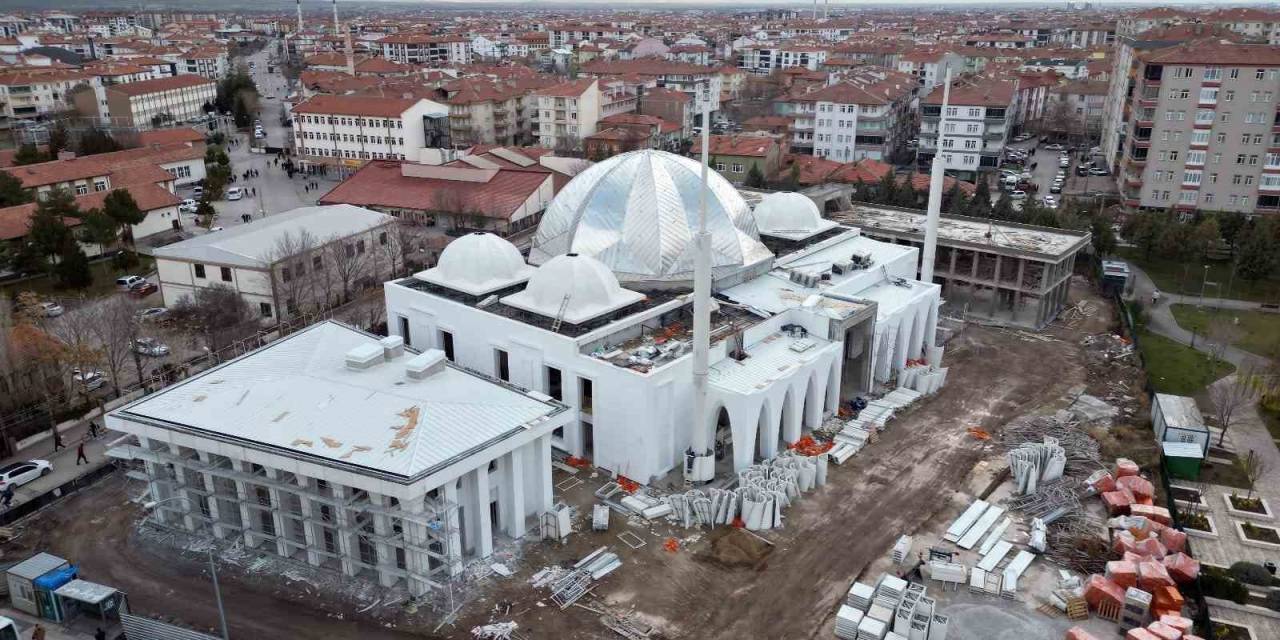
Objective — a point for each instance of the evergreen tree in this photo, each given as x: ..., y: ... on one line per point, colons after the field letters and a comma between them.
x: 793, y: 178
x: 120, y: 207
x: 59, y: 139
x: 72, y: 270
x: 955, y: 201
x: 28, y: 154
x: 95, y: 141
x: 1104, y: 238
x: 755, y: 177
x: 11, y: 191
x: 240, y: 111
x: 980, y: 204
x: 49, y: 235
x: 98, y: 228
x: 887, y: 190
x: 1229, y: 225
x: 906, y: 195
x: 1003, y: 210
x: 1259, y: 256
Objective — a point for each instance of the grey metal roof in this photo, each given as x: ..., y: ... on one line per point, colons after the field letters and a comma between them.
x: 85, y: 591
x: 253, y: 245
x: 37, y: 565
x: 1180, y: 412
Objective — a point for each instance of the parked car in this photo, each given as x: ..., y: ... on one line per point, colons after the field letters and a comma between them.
x: 1054, y: 147
x: 1017, y: 194
x: 187, y: 206
x: 124, y: 283
x: 1099, y: 171
x: 152, y: 314
x: 1082, y: 170
x: 212, y: 229
x: 1056, y: 188
x: 143, y: 289
x: 51, y: 309
x: 1064, y: 163
x: 150, y: 347
x: 198, y: 190
x: 88, y: 380
x: 235, y: 193
x: 16, y: 474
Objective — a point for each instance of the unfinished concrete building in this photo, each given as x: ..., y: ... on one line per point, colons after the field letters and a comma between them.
x: 342, y: 450
x: 999, y: 271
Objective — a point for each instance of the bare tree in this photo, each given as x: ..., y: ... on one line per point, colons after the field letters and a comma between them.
x: 291, y: 278
x: 1221, y: 334
x: 348, y: 258
x: 81, y: 351
x: 115, y: 328
x: 1230, y: 395
x: 411, y: 240
x: 218, y: 313
x: 568, y: 145
x: 1254, y: 467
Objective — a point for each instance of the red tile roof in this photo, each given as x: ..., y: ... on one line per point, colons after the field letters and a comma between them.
x: 157, y: 85
x: 866, y: 171
x: 570, y: 89
x: 168, y: 136
x: 355, y: 106
x: 15, y: 221
x: 380, y: 184
x: 746, y: 146
x: 131, y: 166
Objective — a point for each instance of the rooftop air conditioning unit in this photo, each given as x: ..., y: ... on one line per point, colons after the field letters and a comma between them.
x: 425, y: 364
x: 364, y: 356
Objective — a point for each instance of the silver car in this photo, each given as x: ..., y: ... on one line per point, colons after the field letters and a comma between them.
x: 150, y: 347
x: 16, y: 474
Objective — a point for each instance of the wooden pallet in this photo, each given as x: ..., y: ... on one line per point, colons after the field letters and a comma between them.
x: 1109, y: 611
x: 1077, y: 609
x: 1049, y: 610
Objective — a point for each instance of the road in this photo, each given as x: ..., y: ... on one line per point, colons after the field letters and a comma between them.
x: 275, y: 191
x: 1046, y: 161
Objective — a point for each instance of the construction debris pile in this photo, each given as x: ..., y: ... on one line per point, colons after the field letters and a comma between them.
x: 892, y: 610
x: 1081, y: 451
x: 763, y: 490
x: 851, y: 435
x: 1113, y: 370
x: 567, y: 585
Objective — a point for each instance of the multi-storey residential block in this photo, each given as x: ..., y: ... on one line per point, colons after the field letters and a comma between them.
x: 672, y: 106
x: 568, y: 113
x: 345, y: 132
x: 669, y: 74
x: 865, y: 116
x: 420, y: 48
x: 1084, y: 103
x: 765, y: 58
x: 1201, y: 131
x: 930, y: 66
x: 978, y: 122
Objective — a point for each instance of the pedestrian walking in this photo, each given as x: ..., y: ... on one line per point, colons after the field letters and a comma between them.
x: 6, y: 496
x: 80, y: 457
x: 38, y: 634
x: 93, y: 429
x: 99, y: 634
x: 57, y: 441
x: 255, y: 192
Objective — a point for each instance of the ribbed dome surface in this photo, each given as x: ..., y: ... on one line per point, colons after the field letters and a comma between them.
x: 637, y: 213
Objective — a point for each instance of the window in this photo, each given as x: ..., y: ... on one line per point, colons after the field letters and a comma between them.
x: 1212, y: 73
x: 736, y: 168
x: 1209, y: 95
x: 317, y: 262
x: 446, y: 344
x: 199, y: 271
x: 1259, y: 74
x: 1237, y: 179
x: 1191, y: 177
x: 720, y: 166
x: 1240, y: 158
x: 554, y: 383
x: 226, y: 273
x: 1228, y: 95
x: 1187, y: 197
x: 1213, y: 178
x: 502, y: 365
x: 1217, y: 157
x: 1234, y: 73
x: 285, y: 274
x: 1195, y: 157
x: 1273, y: 160
x: 265, y: 309
x: 1199, y: 137
x: 382, y: 238
x: 1204, y: 116
x: 99, y: 185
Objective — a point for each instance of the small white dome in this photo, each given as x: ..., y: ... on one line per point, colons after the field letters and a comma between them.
x: 589, y: 287
x: 478, y: 263
x: 787, y: 211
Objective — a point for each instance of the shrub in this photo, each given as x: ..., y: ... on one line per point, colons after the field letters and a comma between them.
x: 1222, y: 586
x: 1250, y: 573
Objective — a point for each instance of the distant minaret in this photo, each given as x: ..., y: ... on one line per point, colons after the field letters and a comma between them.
x: 815, y: 9
x: 351, y: 55
x: 299, y: 16
x: 826, y: 8
x: 336, y: 28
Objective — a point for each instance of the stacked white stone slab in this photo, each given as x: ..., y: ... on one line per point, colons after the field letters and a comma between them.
x: 860, y: 596
x: 847, y: 621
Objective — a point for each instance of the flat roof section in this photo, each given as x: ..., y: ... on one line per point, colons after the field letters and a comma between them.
x: 1046, y: 243
x: 297, y: 396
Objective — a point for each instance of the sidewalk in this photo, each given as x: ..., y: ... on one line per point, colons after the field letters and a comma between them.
x: 1161, y: 321
x: 63, y: 460
x: 53, y: 631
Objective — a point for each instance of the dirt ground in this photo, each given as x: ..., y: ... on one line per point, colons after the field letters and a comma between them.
x: 894, y: 486
x: 738, y: 589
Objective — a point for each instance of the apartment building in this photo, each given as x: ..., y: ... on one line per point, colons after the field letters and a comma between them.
x: 421, y: 48
x: 670, y: 105
x: 930, y: 67
x: 568, y: 113
x: 668, y: 74
x: 485, y: 111
x: 345, y: 132
x: 1201, y: 134
x: 209, y: 61
x: 735, y: 156
x: 571, y: 32
x: 32, y: 92
x: 1085, y: 100
x: 865, y: 116
x: 1120, y: 93
x: 765, y: 58
x: 979, y: 120
x: 159, y: 102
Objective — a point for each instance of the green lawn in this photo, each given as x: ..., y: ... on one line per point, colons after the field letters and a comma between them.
x: 1272, y: 420
x: 1185, y: 277
x: 1178, y: 369
x: 104, y: 281
x: 1259, y: 330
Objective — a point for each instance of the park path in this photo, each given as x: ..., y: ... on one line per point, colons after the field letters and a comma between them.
x: 1160, y: 319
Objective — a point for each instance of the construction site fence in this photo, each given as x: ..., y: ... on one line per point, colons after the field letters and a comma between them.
x: 1200, y: 613
x: 24, y: 509
x: 139, y: 628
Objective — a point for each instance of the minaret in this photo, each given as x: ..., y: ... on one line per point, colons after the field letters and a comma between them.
x: 826, y: 9
x: 935, y: 192
x: 299, y: 17
x: 701, y: 466
x: 351, y: 55
x: 336, y: 28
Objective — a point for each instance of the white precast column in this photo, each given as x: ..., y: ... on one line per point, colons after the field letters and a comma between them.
x: 511, y: 492
x: 699, y: 436
x: 935, y: 191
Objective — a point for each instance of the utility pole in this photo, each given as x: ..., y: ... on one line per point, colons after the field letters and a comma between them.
x: 217, y: 594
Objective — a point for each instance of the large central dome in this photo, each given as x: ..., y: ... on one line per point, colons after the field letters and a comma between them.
x: 637, y: 213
